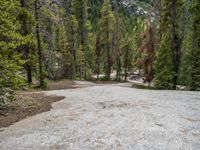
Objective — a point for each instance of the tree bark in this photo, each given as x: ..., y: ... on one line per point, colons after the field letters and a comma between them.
x: 108, y: 52
x: 41, y: 73
x: 117, y: 43
x: 175, y: 43
x: 98, y: 53
x: 126, y: 65
x: 26, y: 50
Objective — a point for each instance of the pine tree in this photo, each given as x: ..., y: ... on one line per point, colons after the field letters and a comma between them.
x: 126, y: 57
x: 106, y: 30
x: 80, y: 7
x: 94, y: 13
x: 169, y: 27
x: 39, y: 46
x: 118, y: 38
x: 71, y: 27
x: 176, y: 41
x: 194, y: 55
x: 10, y: 59
x: 148, y: 50
x: 26, y: 21
x: 98, y: 55
x: 186, y: 46
x: 164, y: 72
x: 138, y: 39
x: 63, y: 48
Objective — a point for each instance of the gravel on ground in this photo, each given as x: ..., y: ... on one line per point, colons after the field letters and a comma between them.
x: 111, y: 117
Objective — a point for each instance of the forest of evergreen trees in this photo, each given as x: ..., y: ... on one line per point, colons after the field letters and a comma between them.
x: 43, y: 40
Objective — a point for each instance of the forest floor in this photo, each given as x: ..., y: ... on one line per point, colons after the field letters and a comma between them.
x: 110, y: 116
x: 26, y: 105
x: 62, y: 84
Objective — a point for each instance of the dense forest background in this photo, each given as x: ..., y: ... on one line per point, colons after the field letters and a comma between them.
x: 41, y: 40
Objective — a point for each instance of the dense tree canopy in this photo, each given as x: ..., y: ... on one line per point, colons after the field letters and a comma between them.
x: 54, y: 39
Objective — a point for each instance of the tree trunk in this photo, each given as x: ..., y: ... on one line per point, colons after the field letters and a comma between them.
x: 74, y: 64
x: 41, y: 73
x: 26, y: 50
x: 84, y: 38
x: 98, y: 71
x: 108, y: 53
x: 126, y: 65
x: 175, y: 43
x: 125, y: 77
x: 98, y: 53
x: 118, y: 69
x: 117, y: 43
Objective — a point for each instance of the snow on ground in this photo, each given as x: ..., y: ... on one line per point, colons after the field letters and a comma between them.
x: 111, y: 117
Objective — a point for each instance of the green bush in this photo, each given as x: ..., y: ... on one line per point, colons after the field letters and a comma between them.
x: 6, y: 95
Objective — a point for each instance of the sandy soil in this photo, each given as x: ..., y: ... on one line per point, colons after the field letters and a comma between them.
x: 25, y: 105
x: 111, y: 117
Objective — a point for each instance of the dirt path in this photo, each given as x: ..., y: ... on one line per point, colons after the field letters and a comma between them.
x: 111, y: 117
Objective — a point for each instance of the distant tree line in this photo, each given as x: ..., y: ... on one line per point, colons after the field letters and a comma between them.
x: 74, y: 39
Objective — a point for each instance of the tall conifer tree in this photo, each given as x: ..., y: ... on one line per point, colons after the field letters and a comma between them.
x: 194, y: 55
x: 106, y: 30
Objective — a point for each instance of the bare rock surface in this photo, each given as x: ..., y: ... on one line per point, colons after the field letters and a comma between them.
x: 111, y: 117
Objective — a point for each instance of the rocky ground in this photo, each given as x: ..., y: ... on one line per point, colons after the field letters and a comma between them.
x: 111, y: 117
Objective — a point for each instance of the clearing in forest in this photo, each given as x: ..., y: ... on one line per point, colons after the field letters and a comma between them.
x: 111, y: 116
